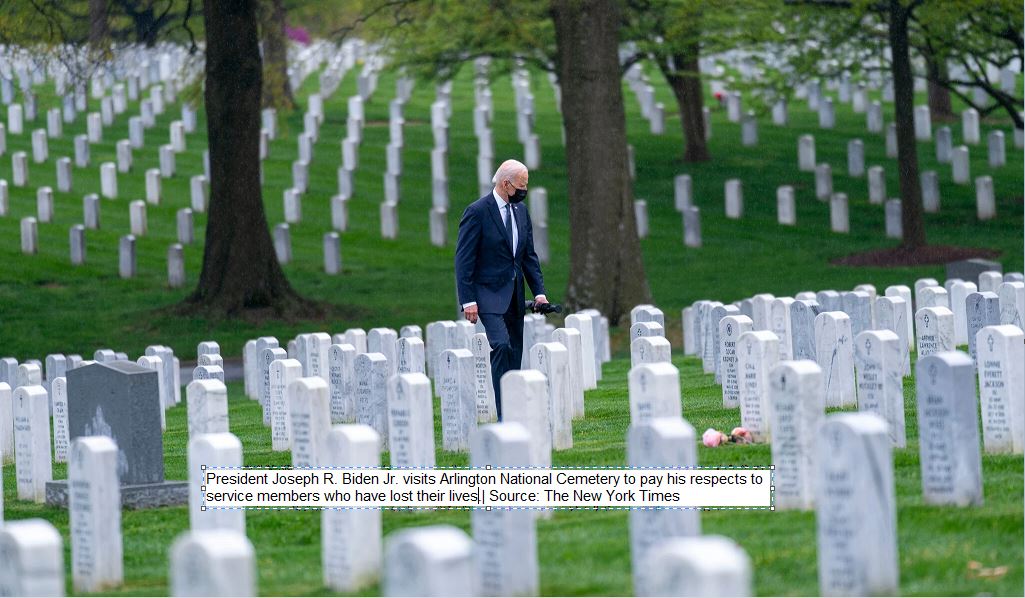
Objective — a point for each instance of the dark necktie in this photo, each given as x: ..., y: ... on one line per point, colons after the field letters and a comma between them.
x: 509, y: 225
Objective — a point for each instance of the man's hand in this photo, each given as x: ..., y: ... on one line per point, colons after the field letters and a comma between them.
x: 540, y: 299
x: 471, y: 313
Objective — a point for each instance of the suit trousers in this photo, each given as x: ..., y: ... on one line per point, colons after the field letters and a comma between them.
x: 505, y: 335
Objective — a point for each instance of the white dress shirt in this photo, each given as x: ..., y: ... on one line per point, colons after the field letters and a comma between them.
x: 506, y: 213
x: 505, y: 209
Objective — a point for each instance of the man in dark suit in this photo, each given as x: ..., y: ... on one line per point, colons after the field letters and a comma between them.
x: 494, y: 255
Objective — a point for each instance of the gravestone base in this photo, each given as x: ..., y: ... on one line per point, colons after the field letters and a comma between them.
x: 141, y: 496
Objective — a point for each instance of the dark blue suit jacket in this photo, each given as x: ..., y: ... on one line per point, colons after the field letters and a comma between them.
x: 486, y: 269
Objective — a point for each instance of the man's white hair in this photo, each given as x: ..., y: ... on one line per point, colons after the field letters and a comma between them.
x: 508, y: 170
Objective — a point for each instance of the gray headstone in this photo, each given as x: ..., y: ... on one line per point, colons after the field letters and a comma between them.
x: 982, y: 309
x: 120, y: 399
x: 802, y: 328
x: 970, y: 269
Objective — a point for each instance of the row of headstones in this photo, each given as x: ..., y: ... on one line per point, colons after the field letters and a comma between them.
x: 108, y: 172
x: 658, y: 538
x: 45, y: 210
x: 791, y: 392
x: 127, y: 262
x: 95, y: 406
x: 856, y: 93
x: 803, y: 329
x: 14, y: 376
x: 438, y: 222
x: 948, y: 418
x: 356, y: 367
x: 161, y: 95
x: 652, y: 111
x: 215, y: 558
x: 958, y: 157
x: 292, y: 197
x: 655, y: 443
x: 138, y: 225
x: 874, y: 124
x: 111, y: 105
x: 786, y: 212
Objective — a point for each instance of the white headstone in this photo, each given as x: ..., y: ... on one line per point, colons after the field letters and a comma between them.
x: 33, y: 465
x: 806, y: 153
x: 484, y: 384
x: 410, y: 421
x: 94, y: 505
x: 207, y: 406
x: 1001, y: 367
x: 654, y: 392
x: 660, y: 442
x: 707, y: 566
x: 960, y: 165
x: 839, y: 217
x: 985, y: 200
x: 948, y: 428
x: 310, y: 413
x: 33, y: 563
x: 879, y: 380
x: 797, y: 407
x: 217, y: 562
x: 734, y: 198
x: 351, y: 538
x: 429, y: 561
x: 526, y: 400
x: 371, y: 372
x: 835, y: 356
x: 856, y: 508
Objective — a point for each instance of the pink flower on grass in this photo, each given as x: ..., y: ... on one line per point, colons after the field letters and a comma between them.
x: 740, y: 436
x: 713, y: 438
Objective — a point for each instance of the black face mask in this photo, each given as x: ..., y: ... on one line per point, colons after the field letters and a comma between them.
x: 518, y: 196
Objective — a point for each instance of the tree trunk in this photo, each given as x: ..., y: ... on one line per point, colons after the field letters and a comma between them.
x: 277, y: 90
x: 940, y: 107
x: 606, y: 266
x: 685, y: 82
x: 99, y: 30
x: 146, y: 27
x: 240, y: 268
x: 903, y: 105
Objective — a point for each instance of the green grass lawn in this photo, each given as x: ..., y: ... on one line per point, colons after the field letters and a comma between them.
x: 48, y: 306
x: 588, y: 552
